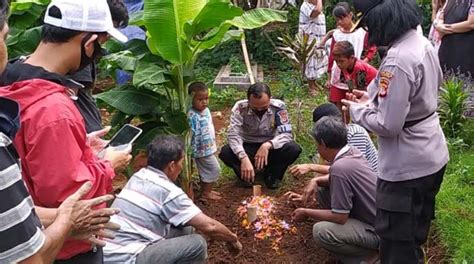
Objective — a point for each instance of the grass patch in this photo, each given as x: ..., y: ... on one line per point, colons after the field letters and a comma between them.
x: 455, y: 206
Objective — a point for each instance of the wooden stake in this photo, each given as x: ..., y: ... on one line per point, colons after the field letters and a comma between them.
x: 251, y: 213
x: 257, y: 190
x: 246, y: 57
x: 245, y: 52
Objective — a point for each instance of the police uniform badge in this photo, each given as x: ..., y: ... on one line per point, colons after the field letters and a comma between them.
x: 384, y: 82
x: 282, y: 121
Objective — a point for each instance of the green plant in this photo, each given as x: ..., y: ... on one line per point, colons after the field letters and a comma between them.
x: 453, y: 105
x: 298, y: 50
x: 178, y: 31
x: 221, y: 98
x: 455, y: 204
x: 24, y: 23
x: 236, y: 64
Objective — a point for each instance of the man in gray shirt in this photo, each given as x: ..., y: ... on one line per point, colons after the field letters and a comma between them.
x: 346, y: 196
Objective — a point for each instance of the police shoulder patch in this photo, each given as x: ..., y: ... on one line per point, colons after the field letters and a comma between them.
x: 277, y: 103
x: 384, y: 82
x: 282, y: 117
x: 240, y: 106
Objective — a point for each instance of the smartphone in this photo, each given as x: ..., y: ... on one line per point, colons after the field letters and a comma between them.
x: 124, y: 137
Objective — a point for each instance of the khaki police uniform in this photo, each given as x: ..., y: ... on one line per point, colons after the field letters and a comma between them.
x: 247, y: 132
x: 412, y: 149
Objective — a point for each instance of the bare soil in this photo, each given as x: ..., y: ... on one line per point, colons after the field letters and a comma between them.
x: 297, y: 248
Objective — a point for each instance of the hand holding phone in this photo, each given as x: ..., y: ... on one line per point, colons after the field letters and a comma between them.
x: 118, y: 158
x: 122, y: 140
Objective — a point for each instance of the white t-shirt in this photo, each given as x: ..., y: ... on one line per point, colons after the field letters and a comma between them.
x: 357, y: 39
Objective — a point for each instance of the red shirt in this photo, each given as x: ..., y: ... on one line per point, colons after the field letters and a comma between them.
x: 360, y: 77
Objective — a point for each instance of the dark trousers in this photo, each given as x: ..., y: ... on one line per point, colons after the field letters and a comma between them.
x: 91, y: 257
x: 278, y: 159
x: 404, y: 213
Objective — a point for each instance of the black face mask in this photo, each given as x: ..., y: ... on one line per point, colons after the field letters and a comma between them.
x: 260, y: 113
x: 97, y: 54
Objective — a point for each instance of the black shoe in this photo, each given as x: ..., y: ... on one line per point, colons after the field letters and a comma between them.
x: 272, y: 183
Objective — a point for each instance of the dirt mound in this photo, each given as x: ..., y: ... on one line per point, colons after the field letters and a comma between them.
x: 299, y: 248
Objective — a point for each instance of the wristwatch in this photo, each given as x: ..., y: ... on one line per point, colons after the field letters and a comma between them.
x: 242, y: 155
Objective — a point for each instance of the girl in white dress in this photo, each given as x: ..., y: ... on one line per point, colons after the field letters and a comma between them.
x: 313, y: 23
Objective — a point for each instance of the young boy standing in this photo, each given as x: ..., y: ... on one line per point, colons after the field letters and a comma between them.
x: 203, y: 140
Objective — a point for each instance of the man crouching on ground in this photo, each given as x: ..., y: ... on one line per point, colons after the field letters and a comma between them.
x: 260, y: 138
x: 158, y: 218
x: 345, y: 222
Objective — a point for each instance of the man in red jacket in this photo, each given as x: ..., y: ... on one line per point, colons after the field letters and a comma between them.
x: 52, y: 144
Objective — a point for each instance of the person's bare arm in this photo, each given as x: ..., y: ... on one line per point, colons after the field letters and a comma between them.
x: 46, y: 215
x: 73, y: 211
x: 215, y: 230
x: 302, y: 214
x: 323, y: 181
x: 301, y: 169
x: 319, y: 8
x: 434, y: 9
x: 55, y: 235
x: 212, y: 228
x: 462, y: 27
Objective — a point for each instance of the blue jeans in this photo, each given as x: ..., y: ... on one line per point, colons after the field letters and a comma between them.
x: 180, y: 246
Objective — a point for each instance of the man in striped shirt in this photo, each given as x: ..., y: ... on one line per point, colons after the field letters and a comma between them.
x: 357, y: 137
x: 22, y: 237
x: 158, y: 218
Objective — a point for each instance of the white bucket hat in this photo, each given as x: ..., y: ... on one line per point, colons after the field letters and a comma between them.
x: 85, y: 16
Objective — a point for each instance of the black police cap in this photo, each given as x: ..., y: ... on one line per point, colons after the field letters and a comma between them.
x: 363, y: 7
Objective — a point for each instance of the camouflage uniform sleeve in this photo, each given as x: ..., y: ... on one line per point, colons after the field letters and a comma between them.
x: 388, y: 117
x: 283, y: 128
x: 235, y: 130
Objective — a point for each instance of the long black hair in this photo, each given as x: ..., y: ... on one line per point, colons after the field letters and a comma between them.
x: 391, y: 19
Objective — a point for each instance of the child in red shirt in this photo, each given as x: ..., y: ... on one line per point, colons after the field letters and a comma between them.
x: 357, y: 74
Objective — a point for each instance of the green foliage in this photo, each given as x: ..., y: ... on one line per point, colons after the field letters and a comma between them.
x: 222, y: 98
x: 425, y: 7
x: 237, y: 64
x: 453, y: 105
x: 455, y: 204
x: 298, y: 50
x: 178, y: 31
x: 24, y: 22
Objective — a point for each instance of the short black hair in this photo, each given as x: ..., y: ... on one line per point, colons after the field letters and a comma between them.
x: 257, y: 89
x: 391, y: 19
x: 342, y: 9
x: 119, y: 12
x: 54, y: 34
x: 327, y: 109
x: 4, y: 7
x: 343, y: 48
x: 163, y: 150
x: 331, y: 132
x: 195, y: 87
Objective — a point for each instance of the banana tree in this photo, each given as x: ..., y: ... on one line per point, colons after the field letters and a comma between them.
x: 178, y: 31
x: 24, y: 23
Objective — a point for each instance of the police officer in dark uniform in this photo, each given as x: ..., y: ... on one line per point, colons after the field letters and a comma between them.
x: 260, y: 138
x: 400, y: 107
